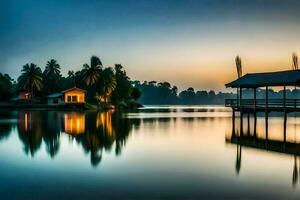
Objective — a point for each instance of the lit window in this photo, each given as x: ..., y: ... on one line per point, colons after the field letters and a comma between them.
x: 74, y: 98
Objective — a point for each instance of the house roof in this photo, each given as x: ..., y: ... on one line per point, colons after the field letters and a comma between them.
x: 254, y: 80
x: 73, y: 88
x: 54, y: 95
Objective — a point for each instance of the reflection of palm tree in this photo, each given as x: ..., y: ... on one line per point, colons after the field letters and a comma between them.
x: 109, y: 128
x: 31, y: 78
x: 30, y: 131
x: 238, y: 159
x: 295, y: 172
x: 5, y: 128
x: 51, y: 134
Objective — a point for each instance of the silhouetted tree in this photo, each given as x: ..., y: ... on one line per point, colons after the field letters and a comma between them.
x: 6, y: 87
x: 91, y: 73
x: 31, y: 79
x: 51, y: 77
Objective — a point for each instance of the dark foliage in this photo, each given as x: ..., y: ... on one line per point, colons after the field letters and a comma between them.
x: 6, y: 87
x: 153, y: 93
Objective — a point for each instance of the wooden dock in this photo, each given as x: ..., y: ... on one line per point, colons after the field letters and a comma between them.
x: 264, y: 105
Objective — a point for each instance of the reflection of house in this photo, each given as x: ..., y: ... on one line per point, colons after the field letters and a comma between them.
x: 74, y: 95
x: 24, y: 121
x: 74, y: 123
x: 55, y: 99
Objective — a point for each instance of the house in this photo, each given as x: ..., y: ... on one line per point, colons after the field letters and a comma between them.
x: 55, y: 99
x: 74, y: 96
x: 23, y: 94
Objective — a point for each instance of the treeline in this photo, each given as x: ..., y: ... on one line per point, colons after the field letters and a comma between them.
x: 104, y: 85
x: 163, y: 93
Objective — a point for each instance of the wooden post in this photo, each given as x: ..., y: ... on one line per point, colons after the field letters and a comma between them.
x: 248, y: 122
x: 237, y: 97
x: 267, y: 125
x: 266, y: 111
x: 233, y: 122
x: 255, y: 122
x: 284, y: 97
x: 254, y: 104
x: 241, y: 96
x: 267, y: 99
x: 241, y: 124
x: 284, y: 127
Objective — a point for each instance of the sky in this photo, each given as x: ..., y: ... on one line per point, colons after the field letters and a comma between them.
x: 189, y: 43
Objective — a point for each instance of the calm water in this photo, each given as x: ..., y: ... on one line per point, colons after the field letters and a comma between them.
x: 158, y: 152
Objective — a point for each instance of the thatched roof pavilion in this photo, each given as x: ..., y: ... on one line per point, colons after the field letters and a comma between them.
x: 255, y: 80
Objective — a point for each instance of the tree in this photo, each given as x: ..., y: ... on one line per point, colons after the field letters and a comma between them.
x: 52, y: 68
x: 51, y: 76
x: 136, y: 93
x: 91, y: 73
x: 123, y: 87
x: 238, y: 63
x: 6, y: 87
x: 31, y: 79
x: 107, y: 86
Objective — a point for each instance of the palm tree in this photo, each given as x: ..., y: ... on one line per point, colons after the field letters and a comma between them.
x: 91, y: 73
x: 108, y: 85
x: 52, y: 68
x: 51, y: 76
x: 31, y: 78
x: 238, y: 63
x: 72, y: 76
x: 295, y: 61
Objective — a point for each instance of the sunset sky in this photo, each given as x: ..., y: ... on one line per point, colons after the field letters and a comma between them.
x: 187, y: 43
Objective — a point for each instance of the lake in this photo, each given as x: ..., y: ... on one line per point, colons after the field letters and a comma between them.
x: 158, y: 152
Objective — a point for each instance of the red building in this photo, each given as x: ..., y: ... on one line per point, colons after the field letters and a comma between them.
x: 23, y: 94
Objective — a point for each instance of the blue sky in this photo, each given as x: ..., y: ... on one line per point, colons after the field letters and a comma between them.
x: 183, y: 42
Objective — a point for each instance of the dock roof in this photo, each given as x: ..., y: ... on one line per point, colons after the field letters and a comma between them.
x: 254, y: 80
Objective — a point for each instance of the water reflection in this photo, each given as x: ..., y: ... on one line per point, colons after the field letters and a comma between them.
x: 94, y: 132
x: 74, y: 123
x: 282, y: 138
x: 161, y: 152
x: 30, y: 131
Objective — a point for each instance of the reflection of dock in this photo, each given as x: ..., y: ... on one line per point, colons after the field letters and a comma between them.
x: 266, y: 144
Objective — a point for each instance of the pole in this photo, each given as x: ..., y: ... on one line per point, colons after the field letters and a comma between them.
x: 254, y: 94
x: 237, y: 97
x: 266, y: 99
x: 266, y: 111
x: 284, y: 97
x: 241, y: 93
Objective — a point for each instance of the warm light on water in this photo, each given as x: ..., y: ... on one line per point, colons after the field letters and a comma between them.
x: 158, y: 152
x: 74, y: 123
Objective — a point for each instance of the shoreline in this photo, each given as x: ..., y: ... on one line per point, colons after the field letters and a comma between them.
x: 63, y: 107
